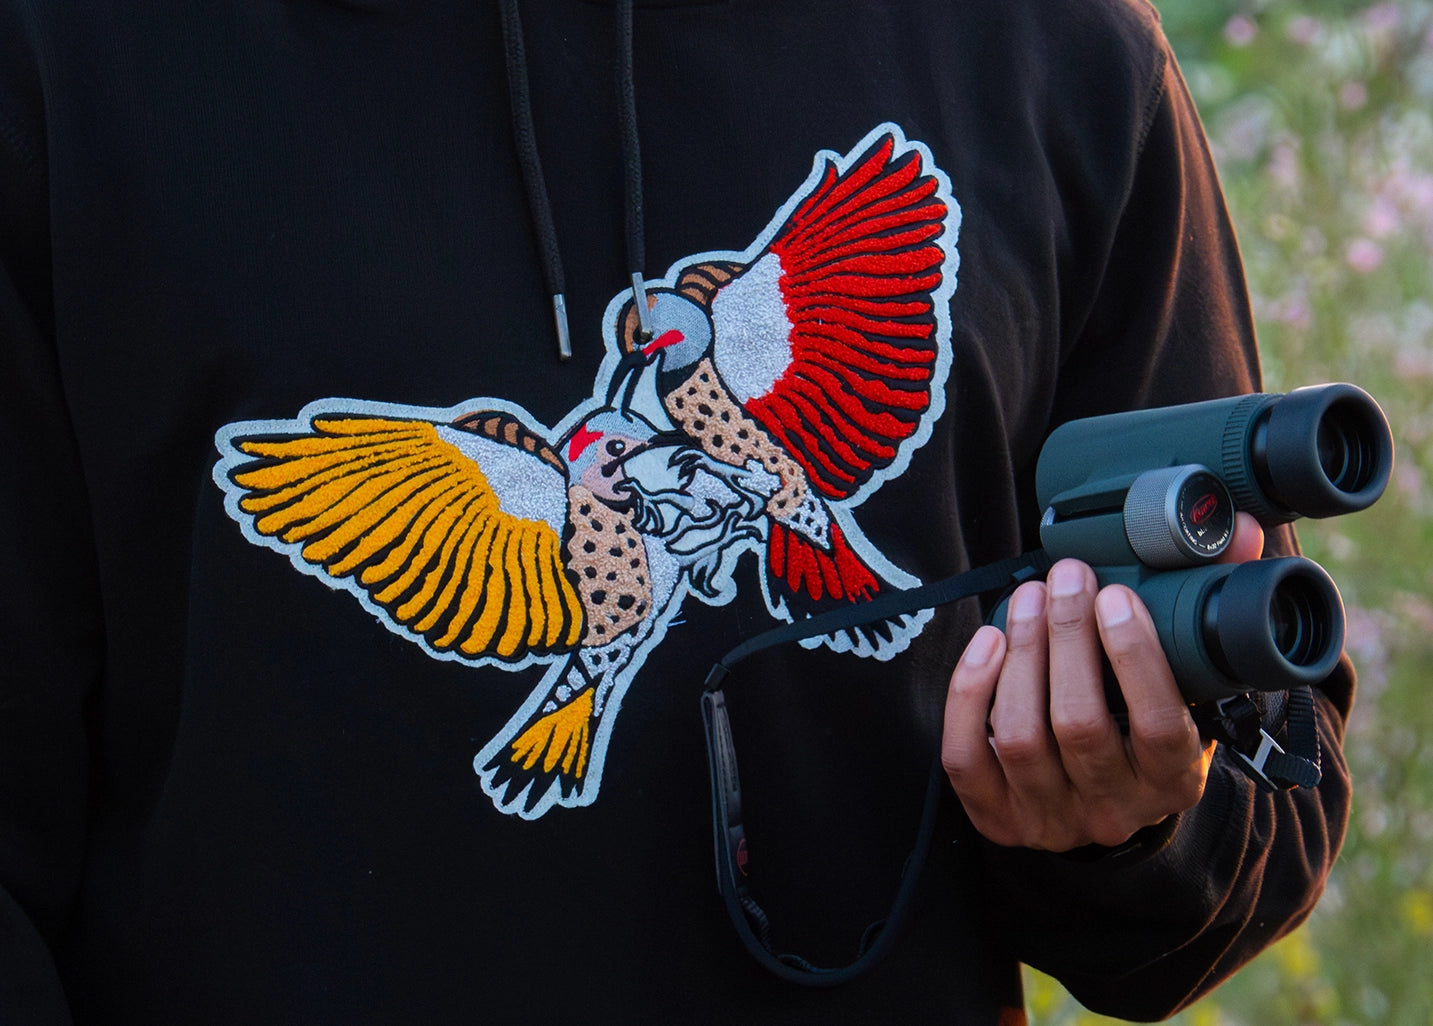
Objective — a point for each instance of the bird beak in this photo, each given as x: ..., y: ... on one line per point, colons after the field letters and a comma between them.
x: 624, y: 378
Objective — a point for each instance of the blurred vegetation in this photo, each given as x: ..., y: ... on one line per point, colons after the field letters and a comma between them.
x: 1320, y: 114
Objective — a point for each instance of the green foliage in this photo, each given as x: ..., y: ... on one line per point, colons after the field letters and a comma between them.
x: 1320, y: 114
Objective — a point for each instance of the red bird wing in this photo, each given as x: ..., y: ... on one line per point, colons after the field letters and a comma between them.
x: 860, y: 262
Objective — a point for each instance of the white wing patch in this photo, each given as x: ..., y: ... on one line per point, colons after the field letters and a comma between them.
x: 753, y: 333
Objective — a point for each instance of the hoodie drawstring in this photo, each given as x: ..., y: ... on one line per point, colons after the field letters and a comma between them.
x: 538, y: 201
x: 631, y: 166
x: 538, y: 205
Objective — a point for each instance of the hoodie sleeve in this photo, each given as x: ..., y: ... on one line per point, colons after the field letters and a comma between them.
x: 50, y: 633
x: 1142, y: 931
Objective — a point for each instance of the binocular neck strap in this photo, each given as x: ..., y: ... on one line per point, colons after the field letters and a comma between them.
x: 891, y: 604
x: 1239, y: 724
x: 750, y: 920
x: 746, y: 915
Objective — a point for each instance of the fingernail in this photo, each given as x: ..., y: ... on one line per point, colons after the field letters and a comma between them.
x: 1065, y: 580
x: 1113, y: 606
x: 1027, y: 603
x: 981, y: 648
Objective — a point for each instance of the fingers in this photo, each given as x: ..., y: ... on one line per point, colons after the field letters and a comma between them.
x: 1164, y: 747
x: 1020, y: 717
x: 1163, y: 739
x: 1085, y: 731
x: 1052, y: 769
x: 966, y: 752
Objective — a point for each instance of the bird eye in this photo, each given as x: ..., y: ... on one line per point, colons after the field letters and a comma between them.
x: 616, y: 447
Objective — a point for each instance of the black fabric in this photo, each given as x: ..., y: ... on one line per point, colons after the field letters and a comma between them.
x: 748, y: 918
x: 231, y: 794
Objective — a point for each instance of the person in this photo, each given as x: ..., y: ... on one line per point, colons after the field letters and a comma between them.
x: 354, y: 637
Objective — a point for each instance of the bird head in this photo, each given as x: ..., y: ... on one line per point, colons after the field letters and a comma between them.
x: 597, y: 451
x: 681, y: 331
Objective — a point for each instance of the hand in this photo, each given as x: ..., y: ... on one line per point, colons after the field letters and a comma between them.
x: 1030, y: 744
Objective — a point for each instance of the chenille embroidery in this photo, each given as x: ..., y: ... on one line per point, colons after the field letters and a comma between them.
x: 606, y: 554
x: 707, y: 413
x: 783, y: 385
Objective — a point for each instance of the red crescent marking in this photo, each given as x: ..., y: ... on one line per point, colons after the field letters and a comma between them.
x: 581, y: 439
x: 667, y: 338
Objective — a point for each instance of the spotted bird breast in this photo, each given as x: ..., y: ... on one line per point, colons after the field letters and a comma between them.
x: 607, y: 555
x: 705, y: 411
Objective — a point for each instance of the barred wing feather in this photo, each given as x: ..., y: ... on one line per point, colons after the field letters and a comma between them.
x: 404, y: 510
x: 859, y: 261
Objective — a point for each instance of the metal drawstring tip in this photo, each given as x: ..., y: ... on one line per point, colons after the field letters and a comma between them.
x: 564, y: 340
x: 644, y: 312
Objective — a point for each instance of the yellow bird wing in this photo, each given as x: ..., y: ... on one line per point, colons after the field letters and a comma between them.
x: 453, y: 531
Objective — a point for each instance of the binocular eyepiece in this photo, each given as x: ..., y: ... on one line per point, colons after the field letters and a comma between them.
x: 1147, y: 498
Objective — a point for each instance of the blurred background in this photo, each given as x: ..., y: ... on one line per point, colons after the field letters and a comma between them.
x: 1321, y: 119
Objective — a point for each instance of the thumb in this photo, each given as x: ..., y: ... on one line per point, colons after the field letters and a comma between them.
x: 1248, y: 541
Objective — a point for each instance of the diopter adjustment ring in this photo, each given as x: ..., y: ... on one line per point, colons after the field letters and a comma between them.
x: 1178, y: 516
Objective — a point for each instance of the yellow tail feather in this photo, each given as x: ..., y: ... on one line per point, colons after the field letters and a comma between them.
x: 562, y: 736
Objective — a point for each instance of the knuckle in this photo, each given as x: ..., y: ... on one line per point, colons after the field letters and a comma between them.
x: 1082, y: 734
x: 1022, y: 747
x: 955, y: 759
x: 967, y: 687
x: 1170, y: 732
x: 1024, y: 635
x: 1058, y: 835
x: 1068, y: 621
x: 1127, y: 649
x: 993, y: 823
x: 1112, y: 831
x: 1187, y: 790
x: 1114, y: 821
x: 995, y: 831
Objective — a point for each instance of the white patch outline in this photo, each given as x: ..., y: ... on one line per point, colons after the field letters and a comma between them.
x: 723, y: 584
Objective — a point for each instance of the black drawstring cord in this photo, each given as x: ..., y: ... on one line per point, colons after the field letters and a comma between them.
x: 538, y: 202
x: 525, y: 138
x: 631, y: 166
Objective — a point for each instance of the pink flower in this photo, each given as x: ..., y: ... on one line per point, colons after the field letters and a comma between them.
x: 1382, y: 18
x: 1304, y: 30
x: 1283, y: 166
x: 1382, y: 218
x: 1363, y: 255
x: 1240, y: 30
x: 1352, y: 95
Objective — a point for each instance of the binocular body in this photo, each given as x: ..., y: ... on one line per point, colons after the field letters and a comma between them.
x: 1147, y: 498
x: 1228, y: 629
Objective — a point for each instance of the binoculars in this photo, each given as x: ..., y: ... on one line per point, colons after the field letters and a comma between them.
x: 1147, y: 499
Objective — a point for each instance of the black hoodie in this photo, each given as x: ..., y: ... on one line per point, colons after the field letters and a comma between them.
x: 352, y: 642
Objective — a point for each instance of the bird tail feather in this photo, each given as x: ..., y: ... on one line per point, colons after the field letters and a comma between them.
x: 811, y: 578
x: 542, y: 759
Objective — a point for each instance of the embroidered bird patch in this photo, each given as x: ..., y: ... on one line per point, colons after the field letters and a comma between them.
x: 778, y: 387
